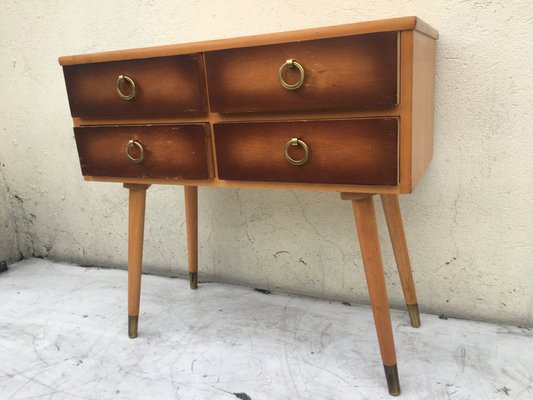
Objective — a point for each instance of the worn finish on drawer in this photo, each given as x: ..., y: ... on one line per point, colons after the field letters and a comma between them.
x: 340, y: 73
x: 165, y: 87
x: 356, y: 151
x: 170, y: 151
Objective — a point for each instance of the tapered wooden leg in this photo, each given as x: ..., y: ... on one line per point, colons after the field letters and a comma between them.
x: 191, y: 219
x: 393, y: 215
x: 137, y: 203
x: 365, y: 219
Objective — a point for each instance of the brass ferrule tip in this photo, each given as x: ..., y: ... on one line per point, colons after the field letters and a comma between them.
x: 133, y: 323
x: 193, y: 280
x: 393, y: 381
x: 414, y: 315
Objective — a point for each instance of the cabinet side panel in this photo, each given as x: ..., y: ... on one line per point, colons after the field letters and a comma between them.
x: 405, y: 109
x: 423, y: 104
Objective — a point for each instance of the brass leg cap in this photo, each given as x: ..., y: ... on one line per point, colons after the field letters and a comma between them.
x: 393, y: 381
x: 133, y: 323
x: 414, y: 315
x: 193, y: 280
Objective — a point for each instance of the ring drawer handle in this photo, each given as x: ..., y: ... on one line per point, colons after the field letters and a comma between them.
x: 296, y: 142
x: 291, y: 64
x: 131, y: 144
x: 125, y: 78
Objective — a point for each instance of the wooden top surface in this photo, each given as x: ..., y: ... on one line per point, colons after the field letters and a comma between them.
x: 384, y: 25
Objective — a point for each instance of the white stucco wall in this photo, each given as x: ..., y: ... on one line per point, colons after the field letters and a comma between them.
x: 469, y: 222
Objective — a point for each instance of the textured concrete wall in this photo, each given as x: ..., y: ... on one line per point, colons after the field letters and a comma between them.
x: 469, y: 223
x: 9, y: 245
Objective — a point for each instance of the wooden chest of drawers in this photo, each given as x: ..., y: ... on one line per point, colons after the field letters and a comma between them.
x: 346, y: 108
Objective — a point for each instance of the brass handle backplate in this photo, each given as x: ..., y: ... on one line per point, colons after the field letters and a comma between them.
x: 130, y: 145
x: 296, y: 142
x: 291, y: 64
x: 125, y: 78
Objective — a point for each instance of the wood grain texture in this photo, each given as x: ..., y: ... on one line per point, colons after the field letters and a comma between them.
x: 358, y: 151
x: 225, y: 184
x: 191, y: 219
x: 165, y: 86
x: 406, y: 116
x: 171, y: 151
x: 340, y: 73
x: 422, y: 105
x: 355, y: 196
x: 384, y: 111
x: 384, y: 25
x: 137, y: 205
x: 365, y: 218
x: 393, y: 216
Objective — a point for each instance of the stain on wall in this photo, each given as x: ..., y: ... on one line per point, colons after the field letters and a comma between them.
x: 11, y: 223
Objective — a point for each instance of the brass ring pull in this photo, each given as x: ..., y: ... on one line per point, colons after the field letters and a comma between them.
x: 296, y: 142
x: 291, y: 64
x: 122, y: 78
x: 134, y: 143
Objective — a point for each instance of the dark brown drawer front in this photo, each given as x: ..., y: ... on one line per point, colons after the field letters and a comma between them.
x: 170, y: 151
x: 164, y: 87
x: 340, y: 73
x: 357, y: 151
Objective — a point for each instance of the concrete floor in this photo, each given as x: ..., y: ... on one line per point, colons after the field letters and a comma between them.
x: 63, y: 335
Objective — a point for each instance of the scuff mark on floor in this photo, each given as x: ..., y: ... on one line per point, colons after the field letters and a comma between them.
x: 242, y: 396
x: 503, y: 389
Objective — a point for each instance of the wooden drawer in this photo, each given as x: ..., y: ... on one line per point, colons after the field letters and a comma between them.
x: 164, y: 87
x: 339, y: 73
x: 170, y: 151
x: 352, y: 151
